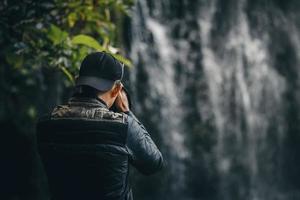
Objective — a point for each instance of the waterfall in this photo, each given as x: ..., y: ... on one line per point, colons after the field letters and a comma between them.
x: 163, y: 97
x: 245, y: 77
x: 216, y: 81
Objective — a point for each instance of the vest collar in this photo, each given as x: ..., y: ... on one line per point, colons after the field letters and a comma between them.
x: 88, y: 101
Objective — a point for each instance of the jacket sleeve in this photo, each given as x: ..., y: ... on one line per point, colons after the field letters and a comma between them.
x: 144, y: 155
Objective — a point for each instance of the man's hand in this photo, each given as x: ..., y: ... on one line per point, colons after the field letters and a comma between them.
x: 121, y: 102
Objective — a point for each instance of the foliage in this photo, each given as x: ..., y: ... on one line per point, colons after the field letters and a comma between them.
x: 41, y: 40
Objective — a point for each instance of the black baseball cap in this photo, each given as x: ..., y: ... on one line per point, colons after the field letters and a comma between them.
x: 100, y: 70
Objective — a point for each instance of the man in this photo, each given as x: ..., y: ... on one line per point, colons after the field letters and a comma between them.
x: 85, y: 147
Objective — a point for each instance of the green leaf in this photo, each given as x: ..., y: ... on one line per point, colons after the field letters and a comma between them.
x: 72, y: 18
x: 124, y: 60
x: 87, y: 41
x: 56, y: 35
x: 68, y: 74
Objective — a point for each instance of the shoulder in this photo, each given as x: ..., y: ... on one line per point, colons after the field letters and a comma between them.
x: 135, y: 127
x: 110, y: 115
x: 84, y: 113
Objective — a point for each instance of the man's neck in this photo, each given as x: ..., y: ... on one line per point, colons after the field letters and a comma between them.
x: 104, y: 98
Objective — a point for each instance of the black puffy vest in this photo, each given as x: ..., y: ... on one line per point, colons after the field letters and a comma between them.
x: 83, y: 151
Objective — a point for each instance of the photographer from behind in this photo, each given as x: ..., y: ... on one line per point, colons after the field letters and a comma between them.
x: 87, y: 148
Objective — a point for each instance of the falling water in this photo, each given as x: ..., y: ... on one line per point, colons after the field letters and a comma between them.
x: 215, y: 80
x: 164, y: 94
x: 245, y: 77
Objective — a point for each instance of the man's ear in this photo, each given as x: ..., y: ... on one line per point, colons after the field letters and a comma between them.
x: 116, y: 90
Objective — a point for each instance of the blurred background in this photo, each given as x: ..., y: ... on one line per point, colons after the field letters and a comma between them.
x: 216, y: 83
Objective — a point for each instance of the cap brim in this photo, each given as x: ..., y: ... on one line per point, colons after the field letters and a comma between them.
x: 97, y: 83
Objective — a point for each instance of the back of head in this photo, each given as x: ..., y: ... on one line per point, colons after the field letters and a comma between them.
x: 100, y: 70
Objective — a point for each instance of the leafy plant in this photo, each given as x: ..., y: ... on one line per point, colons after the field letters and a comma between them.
x: 42, y: 45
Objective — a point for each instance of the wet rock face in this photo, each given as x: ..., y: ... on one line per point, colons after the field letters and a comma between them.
x: 219, y: 81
